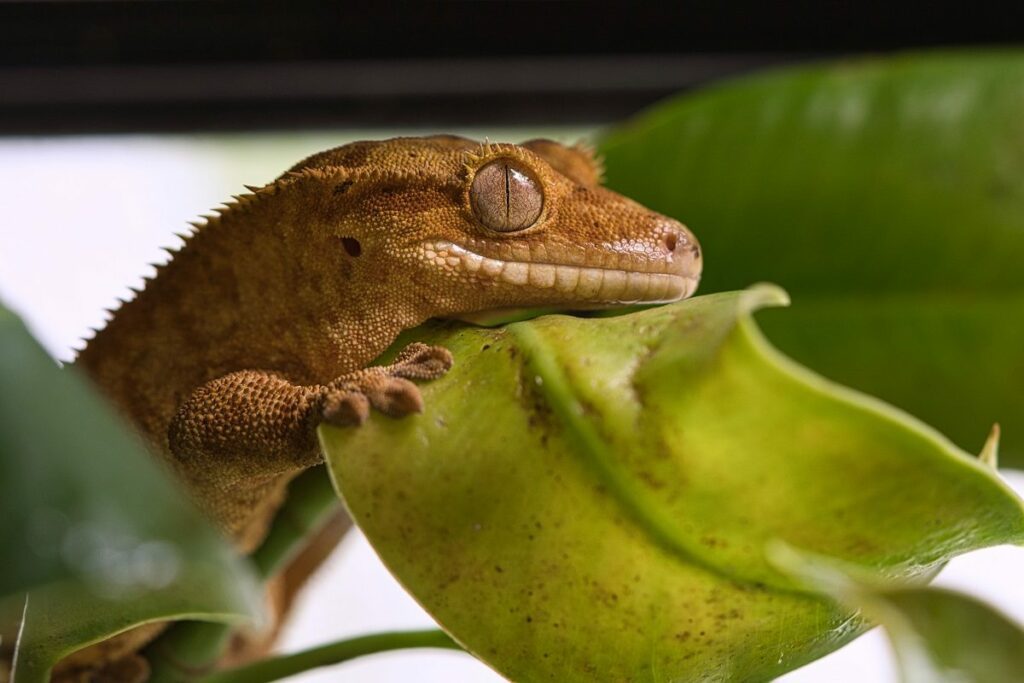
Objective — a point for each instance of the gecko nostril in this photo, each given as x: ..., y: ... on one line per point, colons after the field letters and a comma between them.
x: 670, y: 242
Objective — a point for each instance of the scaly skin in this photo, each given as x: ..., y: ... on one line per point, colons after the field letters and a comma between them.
x: 264, y: 323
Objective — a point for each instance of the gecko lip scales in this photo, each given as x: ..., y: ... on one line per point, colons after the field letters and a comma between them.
x: 607, y: 285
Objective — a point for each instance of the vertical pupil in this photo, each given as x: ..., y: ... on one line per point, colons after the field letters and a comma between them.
x: 508, y: 193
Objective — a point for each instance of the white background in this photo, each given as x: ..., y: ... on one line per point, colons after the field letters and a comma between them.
x: 80, y: 219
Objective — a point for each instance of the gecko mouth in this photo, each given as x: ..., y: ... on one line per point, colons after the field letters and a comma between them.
x: 645, y: 281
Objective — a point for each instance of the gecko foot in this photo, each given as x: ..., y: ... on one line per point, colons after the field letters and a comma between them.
x: 388, y: 388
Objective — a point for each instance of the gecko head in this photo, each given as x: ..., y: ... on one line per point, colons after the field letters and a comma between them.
x: 472, y: 228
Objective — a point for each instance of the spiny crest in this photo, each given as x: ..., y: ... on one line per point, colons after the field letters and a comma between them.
x: 486, y: 150
x: 241, y: 202
x: 111, y: 312
x: 93, y: 331
x: 473, y: 159
x: 587, y: 149
x: 579, y: 161
x: 78, y: 347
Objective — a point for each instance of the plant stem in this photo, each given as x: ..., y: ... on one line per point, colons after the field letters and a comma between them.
x: 288, y: 665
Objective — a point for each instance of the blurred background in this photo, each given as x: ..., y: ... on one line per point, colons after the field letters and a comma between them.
x: 121, y: 121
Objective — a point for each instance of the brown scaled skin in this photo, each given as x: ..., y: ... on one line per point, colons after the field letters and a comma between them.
x: 263, y: 325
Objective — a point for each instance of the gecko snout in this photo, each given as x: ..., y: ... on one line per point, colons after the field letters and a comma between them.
x: 681, y: 252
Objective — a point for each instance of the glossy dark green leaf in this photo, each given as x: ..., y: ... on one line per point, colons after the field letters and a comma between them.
x: 89, y: 524
x: 887, y: 196
x: 591, y: 498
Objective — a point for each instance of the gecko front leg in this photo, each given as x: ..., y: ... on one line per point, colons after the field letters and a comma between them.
x: 238, y: 436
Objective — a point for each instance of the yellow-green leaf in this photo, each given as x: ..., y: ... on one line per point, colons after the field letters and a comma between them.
x: 887, y: 196
x: 591, y: 498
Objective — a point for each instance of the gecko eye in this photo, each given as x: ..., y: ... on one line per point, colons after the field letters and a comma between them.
x: 505, y: 197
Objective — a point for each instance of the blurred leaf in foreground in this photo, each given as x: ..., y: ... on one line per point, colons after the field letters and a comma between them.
x: 887, y: 196
x: 939, y: 636
x: 89, y: 524
x: 592, y: 497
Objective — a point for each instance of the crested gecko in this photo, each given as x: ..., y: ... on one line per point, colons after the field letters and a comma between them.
x: 264, y: 324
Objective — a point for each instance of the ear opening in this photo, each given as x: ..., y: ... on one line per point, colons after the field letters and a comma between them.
x: 352, y: 246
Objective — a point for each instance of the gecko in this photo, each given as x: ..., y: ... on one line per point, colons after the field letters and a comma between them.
x: 265, y: 322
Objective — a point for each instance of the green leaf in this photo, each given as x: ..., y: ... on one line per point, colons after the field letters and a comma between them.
x: 190, y: 646
x: 887, y: 196
x: 587, y: 496
x: 89, y: 523
x: 939, y: 636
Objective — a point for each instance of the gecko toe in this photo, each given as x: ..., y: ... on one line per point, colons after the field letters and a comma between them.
x: 350, y: 408
x: 396, y: 397
x: 419, y: 361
